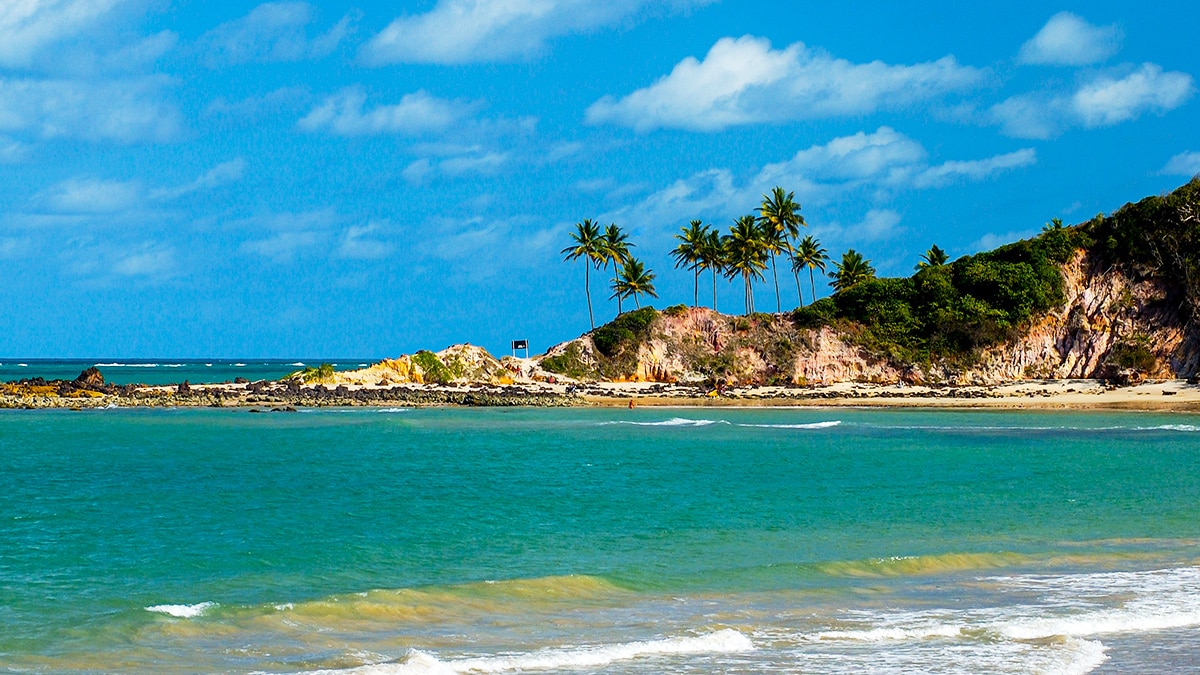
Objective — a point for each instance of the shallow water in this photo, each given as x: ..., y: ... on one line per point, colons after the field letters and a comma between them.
x: 163, y: 371
x: 616, y: 541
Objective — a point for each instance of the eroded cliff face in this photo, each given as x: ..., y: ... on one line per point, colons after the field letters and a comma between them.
x: 1104, y: 312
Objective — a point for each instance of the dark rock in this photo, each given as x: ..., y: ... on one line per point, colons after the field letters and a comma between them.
x: 240, y: 380
x: 183, y: 388
x: 90, y: 378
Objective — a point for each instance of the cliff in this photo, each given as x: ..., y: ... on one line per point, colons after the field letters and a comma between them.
x: 1115, y: 298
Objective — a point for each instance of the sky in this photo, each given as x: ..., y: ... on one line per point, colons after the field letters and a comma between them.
x: 365, y: 179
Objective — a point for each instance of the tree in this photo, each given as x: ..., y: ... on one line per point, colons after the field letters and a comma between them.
x: 589, y: 245
x: 852, y: 269
x: 690, y: 253
x: 934, y: 257
x: 615, y: 250
x: 809, y: 253
x: 773, y: 241
x: 633, y: 279
x: 713, y: 258
x: 745, y: 255
x: 781, y: 210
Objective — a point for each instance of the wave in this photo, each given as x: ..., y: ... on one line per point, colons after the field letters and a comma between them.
x: 417, y: 662
x: 393, y: 410
x: 673, y: 422
x: 126, y: 365
x: 183, y: 611
x: 901, y: 566
x: 810, y: 425
x: 298, y: 364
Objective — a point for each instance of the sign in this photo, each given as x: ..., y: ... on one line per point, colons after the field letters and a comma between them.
x: 520, y: 344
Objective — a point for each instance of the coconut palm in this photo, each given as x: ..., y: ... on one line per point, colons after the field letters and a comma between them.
x: 934, y: 257
x: 713, y: 258
x: 633, y: 279
x: 689, y: 253
x: 852, y: 269
x: 809, y: 253
x: 782, y: 212
x: 773, y: 241
x: 616, y: 250
x: 589, y: 245
x: 745, y: 255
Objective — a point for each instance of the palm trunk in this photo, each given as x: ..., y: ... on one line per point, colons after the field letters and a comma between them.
x: 813, y: 283
x: 587, y: 289
x: 796, y: 274
x: 696, y: 298
x: 637, y: 303
x: 714, y: 276
x: 778, y: 303
x: 749, y: 295
x: 619, y: 310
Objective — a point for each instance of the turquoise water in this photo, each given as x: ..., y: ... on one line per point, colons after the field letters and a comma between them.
x: 163, y: 371
x: 581, y: 540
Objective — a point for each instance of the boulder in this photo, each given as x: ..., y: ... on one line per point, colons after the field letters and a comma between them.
x: 90, y: 378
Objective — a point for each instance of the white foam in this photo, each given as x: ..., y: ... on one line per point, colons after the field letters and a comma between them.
x: 417, y: 662
x: 298, y: 364
x: 891, y: 634
x: 239, y: 365
x: 126, y: 365
x: 811, y: 425
x: 673, y: 422
x: 1171, y: 427
x: 1079, y: 657
x: 393, y: 410
x: 183, y: 611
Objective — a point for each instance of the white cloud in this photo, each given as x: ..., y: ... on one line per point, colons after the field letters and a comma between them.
x: 152, y: 260
x: 472, y: 161
x: 745, y: 81
x: 1107, y: 100
x: 29, y: 26
x: 1104, y: 100
x: 1068, y: 40
x: 993, y: 240
x: 12, y: 151
x: 877, y: 225
x: 415, y: 114
x: 221, y: 174
x: 274, y: 31
x: 358, y: 244
x: 90, y: 196
x: 125, y: 111
x: 943, y: 174
x: 282, y: 237
x: 1183, y: 164
x: 272, y: 103
x: 871, y: 166
x: 465, y: 31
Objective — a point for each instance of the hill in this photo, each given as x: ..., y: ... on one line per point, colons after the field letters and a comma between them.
x: 1115, y: 297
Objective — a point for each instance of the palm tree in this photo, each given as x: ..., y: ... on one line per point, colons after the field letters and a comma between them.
x: 934, y: 257
x: 773, y: 241
x: 809, y: 253
x: 589, y: 245
x: 615, y: 250
x: 745, y: 255
x: 852, y: 269
x: 633, y: 279
x: 689, y: 253
x: 781, y: 210
x: 713, y: 258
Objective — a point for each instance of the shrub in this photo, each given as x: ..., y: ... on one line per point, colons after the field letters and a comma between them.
x: 433, y: 369
x: 676, y: 310
x: 321, y: 373
x: 612, y: 337
x: 570, y: 363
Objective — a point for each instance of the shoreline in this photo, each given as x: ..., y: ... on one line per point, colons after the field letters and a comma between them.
x: 1078, y: 395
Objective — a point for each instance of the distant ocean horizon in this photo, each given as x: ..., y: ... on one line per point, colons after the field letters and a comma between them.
x: 398, y: 541
x: 169, y: 371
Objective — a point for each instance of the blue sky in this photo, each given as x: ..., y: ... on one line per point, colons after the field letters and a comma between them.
x: 365, y: 179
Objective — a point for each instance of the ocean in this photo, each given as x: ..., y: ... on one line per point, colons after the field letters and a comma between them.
x: 165, y: 371
x: 441, y: 540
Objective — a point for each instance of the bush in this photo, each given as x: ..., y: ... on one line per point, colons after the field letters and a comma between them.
x: 612, y: 337
x: 434, y: 371
x: 569, y: 363
x: 676, y: 310
x: 1133, y: 354
x: 321, y: 373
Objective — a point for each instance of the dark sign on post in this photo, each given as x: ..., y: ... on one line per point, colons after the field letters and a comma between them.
x: 521, y: 344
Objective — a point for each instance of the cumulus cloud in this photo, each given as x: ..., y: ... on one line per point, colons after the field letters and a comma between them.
x: 745, y: 81
x: 29, y: 26
x: 868, y: 164
x: 465, y: 31
x: 1068, y: 40
x: 1103, y: 100
x: 1183, y: 164
x: 92, y: 196
x: 274, y: 31
x: 125, y: 111
x: 415, y: 114
x: 1109, y: 100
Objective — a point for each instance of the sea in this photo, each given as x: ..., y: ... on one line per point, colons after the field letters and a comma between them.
x: 166, y: 371
x: 399, y: 541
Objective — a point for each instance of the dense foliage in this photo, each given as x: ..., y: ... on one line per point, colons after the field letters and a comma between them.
x: 1157, y: 237
x: 627, y: 329
x: 949, y: 311
x: 432, y: 368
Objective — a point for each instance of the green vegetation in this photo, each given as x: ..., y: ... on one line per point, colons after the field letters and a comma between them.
x: 433, y: 369
x: 623, y: 331
x: 633, y: 280
x: 948, y: 311
x: 321, y: 373
x: 1133, y: 354
x: 569, y: 363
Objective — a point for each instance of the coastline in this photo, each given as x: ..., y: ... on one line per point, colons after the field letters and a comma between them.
x: 264, y: 396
